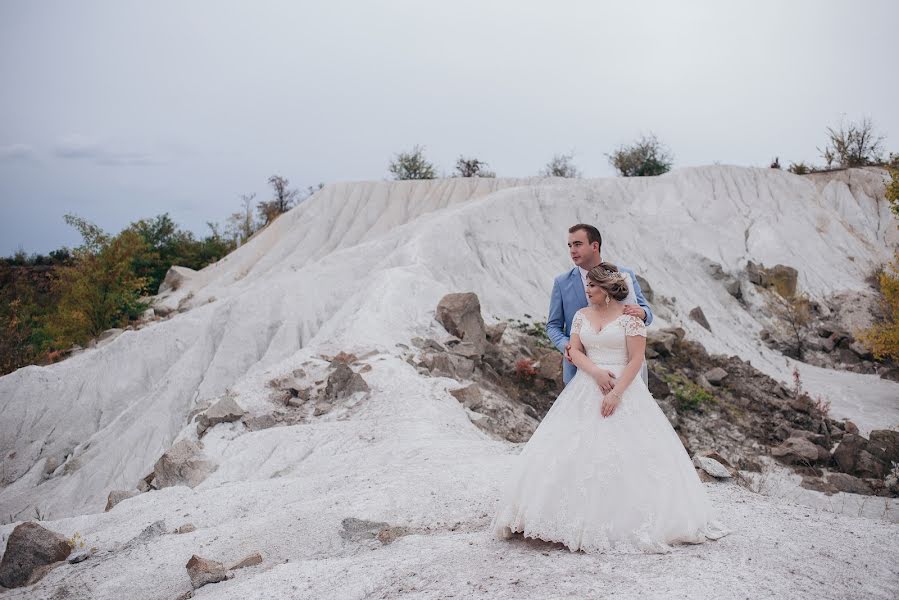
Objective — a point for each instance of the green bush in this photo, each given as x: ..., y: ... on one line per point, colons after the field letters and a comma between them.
x: 688, y: 395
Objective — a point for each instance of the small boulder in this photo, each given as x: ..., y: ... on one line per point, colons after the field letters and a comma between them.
x: 495, y: 332
x: 186, y: 528
x: 109, y: 335
x: 449, y: 365
x: 322, y: 408
x: 31, y: 551
x: 796, y: 450
x: 460, y: 314
x: 884, y: 445
x: 712, y: 467
x: 734, y: 288
x: 697, y: 315
x: 248, y: 561
x: 182, y: 464
x: 646, y: 289
x: 343, y: 382
x: 469, y: 396
x: 844, y: 482
x: 847, y: 452
x: 202, y: 571
x: 661, y: 341
x: 716, y: 376
x: 116, y: 496
x: 818, y: 485
x: 175, y: 278
x: 225, y: 410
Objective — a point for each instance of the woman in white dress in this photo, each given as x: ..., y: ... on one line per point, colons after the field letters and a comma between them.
x: 605, y: 469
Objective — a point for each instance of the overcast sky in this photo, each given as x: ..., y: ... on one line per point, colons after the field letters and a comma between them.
x: 119, y: 110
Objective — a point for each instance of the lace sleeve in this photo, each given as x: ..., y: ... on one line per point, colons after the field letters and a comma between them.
x: 576, y: 323
x: 634, y: 326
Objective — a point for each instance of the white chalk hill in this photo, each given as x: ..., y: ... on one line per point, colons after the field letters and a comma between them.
x: 360, y: 267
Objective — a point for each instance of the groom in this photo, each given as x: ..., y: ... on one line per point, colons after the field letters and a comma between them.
x: 570, y: 295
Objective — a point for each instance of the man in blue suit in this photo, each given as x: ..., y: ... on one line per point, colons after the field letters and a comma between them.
x: 569, y: 293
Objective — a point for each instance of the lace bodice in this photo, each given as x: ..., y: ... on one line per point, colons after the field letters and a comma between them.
x: 609, y: 345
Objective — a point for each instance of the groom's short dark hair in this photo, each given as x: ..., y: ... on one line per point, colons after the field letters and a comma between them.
x: 592, y: 232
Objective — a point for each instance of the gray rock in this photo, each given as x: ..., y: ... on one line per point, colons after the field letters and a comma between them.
x: 109, y: 335
x: 847, y: 452
x: 357, y: 530
x: 116, y: 496
x: 449, y: 365
x: 175, y: 278
x: 460, y: 314
x: 796, y: 451
x: 203, y: 571
x: 31, y: 551
x: 225, y: 410
x: 467, y: 350
x: 182, y: 464
x: 734, y: 288
x: 260, y: 422
x: 469, y: 396
x: 716, y: 376
x: 186, y: 528
x: 661, y: 341
x: 646, y: 289
x: 343, y: 382
x: 322, y: 408
x: 884, y: 445
x: 248, y: 561
x: 697, y: 315
x: 495, y: 332
x: 711, y: 466
x: 427, y: 344
x: 818, y: 485
x: 847, y: 483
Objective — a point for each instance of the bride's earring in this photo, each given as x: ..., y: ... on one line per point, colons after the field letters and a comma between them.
x: 608, y: 299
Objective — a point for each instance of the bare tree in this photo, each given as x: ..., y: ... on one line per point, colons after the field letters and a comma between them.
x: 242, y: 224
x: 853, y: 144
x: 561, y: 165
x: 281, y: 203
x: 472, y: 167
x: 794, y: 313
x: 645, y: 157
x: 412, y: 165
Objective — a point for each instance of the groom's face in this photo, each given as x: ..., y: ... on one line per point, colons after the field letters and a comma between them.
x: 582, y: 252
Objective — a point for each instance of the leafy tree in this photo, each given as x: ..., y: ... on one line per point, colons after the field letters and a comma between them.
x: 472, y: 167
x: 799, y: 168
x: 100, y: 289
x: 883, y: 337
x: 853, y: 144
x: 561, y: 165
x: 645, y: 157
x: 411, y: 165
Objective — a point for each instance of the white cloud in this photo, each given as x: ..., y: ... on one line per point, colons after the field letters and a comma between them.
x: 17, y: 152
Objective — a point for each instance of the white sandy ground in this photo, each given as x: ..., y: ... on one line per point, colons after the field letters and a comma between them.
x: 408, y: 456
x: 361, y: 267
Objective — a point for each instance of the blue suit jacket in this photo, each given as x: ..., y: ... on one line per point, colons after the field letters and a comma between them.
x: 567, y: 298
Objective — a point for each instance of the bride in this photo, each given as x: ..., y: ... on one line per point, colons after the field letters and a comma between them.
x: 605, y: 470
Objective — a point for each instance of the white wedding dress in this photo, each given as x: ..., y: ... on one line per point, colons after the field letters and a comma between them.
x: 621, y: 483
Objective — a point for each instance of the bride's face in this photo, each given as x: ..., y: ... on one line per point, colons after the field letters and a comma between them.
x: 595, y: 294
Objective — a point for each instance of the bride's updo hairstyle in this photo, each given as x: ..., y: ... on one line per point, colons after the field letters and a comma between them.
x: 609, y: 278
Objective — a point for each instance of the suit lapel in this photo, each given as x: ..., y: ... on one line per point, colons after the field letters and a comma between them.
x: 577, y: 295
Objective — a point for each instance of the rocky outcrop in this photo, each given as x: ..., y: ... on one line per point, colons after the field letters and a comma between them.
x: 697, y: 315
x: 343, y: 382
x: 183, y: 464
x: 31, y: 551
x: 780, y: 277
x: 460, y: 314
x: 175, y: 278
x: 225, y: 410
x: 203, y: 571
x: 116, y: 496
